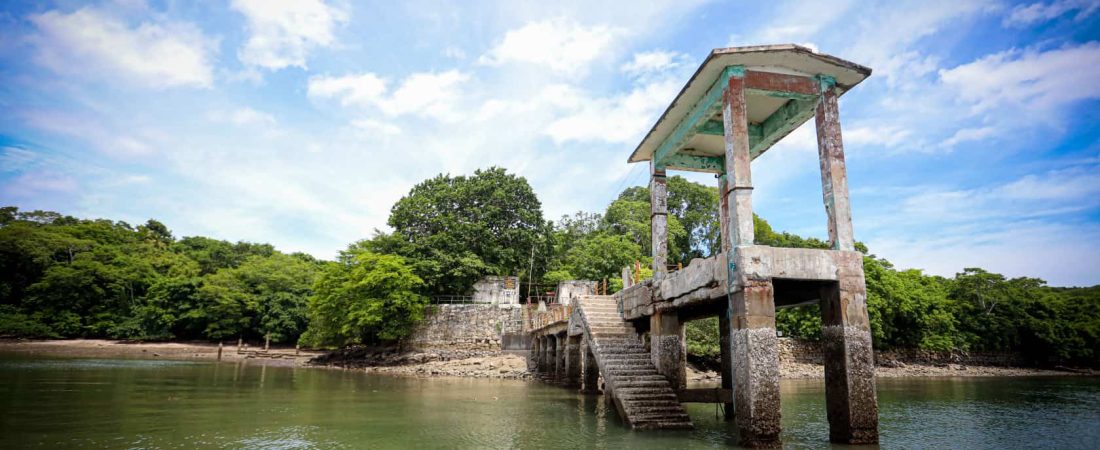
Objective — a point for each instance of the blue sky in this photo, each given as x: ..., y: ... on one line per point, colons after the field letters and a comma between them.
x: 974, y: 143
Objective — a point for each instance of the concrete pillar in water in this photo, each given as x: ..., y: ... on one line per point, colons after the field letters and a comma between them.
x: 667, y: 347
x: 573, y: 361
x: 562, y: 351
x: 850, y: 394
x: 591, y: 370
x: 544, y: 354
x: 658, y: 219
x: 724, y: 331
x: 752, y: 340
x: 552, y: 357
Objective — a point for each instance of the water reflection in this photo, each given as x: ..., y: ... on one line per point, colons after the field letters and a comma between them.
x: 166, y: 404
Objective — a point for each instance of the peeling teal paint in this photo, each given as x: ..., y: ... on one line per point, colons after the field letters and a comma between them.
x: 826, y: 81
x: 702, y: 111
x: 712, y: 164
x: 782, y: 122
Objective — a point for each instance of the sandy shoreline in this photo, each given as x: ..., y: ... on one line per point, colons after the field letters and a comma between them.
x: 427, y: 363
x: 186, y: 351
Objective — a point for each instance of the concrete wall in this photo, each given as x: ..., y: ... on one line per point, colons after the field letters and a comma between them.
x: 496, y: 290
x: 569, y: 290
x: 467, y: 326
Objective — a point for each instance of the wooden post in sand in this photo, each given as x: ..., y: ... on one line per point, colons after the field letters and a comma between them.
x: 219, y: 351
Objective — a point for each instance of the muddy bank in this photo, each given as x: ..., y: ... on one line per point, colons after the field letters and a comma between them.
x: 186, y: 351
x: 791, y: 370
x: 438, y: 362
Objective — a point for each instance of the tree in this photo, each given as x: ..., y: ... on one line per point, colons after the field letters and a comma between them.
x: 364, y: 297
x: 458, y: 229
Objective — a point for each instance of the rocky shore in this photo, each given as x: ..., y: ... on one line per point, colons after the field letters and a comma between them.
x: 466, y: 363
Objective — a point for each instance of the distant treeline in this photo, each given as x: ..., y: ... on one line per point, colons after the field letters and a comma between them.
x: 66, y: 277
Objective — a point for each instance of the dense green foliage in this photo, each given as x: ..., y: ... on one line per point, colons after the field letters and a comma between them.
x: 66, y: 277
x: 63, y: 276
x: 364, y: 297
x: 455, y: 230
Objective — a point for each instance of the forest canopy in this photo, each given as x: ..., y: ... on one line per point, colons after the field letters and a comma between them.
x: 62, y: 276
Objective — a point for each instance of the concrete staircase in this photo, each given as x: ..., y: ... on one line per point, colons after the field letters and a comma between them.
x: 645, y: 399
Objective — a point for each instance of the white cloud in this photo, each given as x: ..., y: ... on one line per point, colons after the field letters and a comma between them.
x: 426, y: 94
x: 622, y: 119
x: 155, y: 54
x: 563, y: 45
x: 1037, y: 81
x: 1024, y: 15
x: 376, y: 127
x: 362, y: 89
x: 283, y: 32
x: 653, y: 61
x: 244, y: 117
x: 969, y: 135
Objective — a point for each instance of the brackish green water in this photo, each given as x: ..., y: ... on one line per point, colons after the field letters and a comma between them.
x: 88, y: 403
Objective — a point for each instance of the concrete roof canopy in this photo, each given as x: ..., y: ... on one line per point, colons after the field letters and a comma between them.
x: 695, y: 102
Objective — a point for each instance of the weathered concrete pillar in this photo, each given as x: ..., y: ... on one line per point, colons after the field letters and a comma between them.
x: 850, y: 395
x: 591, y: 370
x: 738, y: 173
x: 658, y: 219
x: 544, y: 356
x: 834, y: 176
x: 667, y: 347
x: 724, y: 331
x: 573, y: 361
x: 753, y: 345
x: 552, y: 357
x: 755, y: 353
x: 559, y: 364
x: 533, y: 355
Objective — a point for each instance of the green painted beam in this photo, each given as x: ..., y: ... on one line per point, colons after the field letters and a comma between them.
x: 781, y: 123
x: 699, y: 114
x: 712, y: 127
x: 781, y: 94
x: 691, y: 163
x: 716, y: 128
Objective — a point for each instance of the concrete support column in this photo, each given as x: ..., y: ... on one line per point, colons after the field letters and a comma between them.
x: 552, y: 357
x: 667, y: 347
x: 753, y: 344
x: 754, y: 349
x: 724, y: 332
x: 545, y: 366
x: 739, y: 174
x: 533, y: 355
x: 573, y: 361
x: 559, y: 363
x: 850, y: 396
x: 591, y: 370
x: 834, y: 176
x: 658, y: 219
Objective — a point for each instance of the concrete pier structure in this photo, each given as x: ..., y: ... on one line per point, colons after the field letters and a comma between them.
x: 736, y: 106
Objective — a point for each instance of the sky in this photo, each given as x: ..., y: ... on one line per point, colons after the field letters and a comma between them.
x: 299, y: 123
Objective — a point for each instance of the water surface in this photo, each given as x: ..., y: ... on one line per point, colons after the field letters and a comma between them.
x: 94, y: 403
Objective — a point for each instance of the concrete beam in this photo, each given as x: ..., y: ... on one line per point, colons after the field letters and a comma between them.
x: 704, y: 395
x: 781, y: 85
x: 690, y: 163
